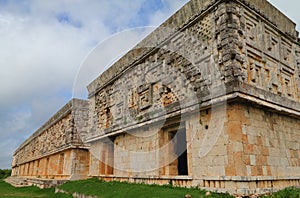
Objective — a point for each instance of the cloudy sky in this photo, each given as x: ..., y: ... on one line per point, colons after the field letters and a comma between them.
x: 43, y: 45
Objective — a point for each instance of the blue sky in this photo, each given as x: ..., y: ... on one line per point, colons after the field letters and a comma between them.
x: 43, y: 43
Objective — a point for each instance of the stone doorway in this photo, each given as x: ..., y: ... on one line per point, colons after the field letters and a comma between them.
x: 173, y: 153
x: 181, y: 152
x: 179, y: 143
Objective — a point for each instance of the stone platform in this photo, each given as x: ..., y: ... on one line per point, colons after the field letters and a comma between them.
x: 41, y: 183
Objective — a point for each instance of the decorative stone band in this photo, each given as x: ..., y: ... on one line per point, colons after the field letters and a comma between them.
x: 215, y: 101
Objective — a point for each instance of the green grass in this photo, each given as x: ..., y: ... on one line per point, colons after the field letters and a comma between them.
x: 120, y: 190
x: 290, y: 192
x: 123, y: 190
x: 8, y: 191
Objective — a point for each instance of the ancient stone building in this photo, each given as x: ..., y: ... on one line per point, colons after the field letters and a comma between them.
x: 209, y: 99
x: 55, y: 151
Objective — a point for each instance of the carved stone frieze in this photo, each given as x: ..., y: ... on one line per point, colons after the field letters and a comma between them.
x: 62, y: 130
x: 264, y: 58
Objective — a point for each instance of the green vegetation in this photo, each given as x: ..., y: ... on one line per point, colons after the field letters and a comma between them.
x: 121, y: 190
x: 4, y: 173
x: 290, y: 192
x: 124, y: 190
x: 8, y: 191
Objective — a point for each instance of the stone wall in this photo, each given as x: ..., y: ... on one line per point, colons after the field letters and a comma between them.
x: 56, y: 150
x: 204, y: 67
x: 101, y: 159
x: 268, y: 142
x: 217, y: 53
x: 265, y: 57
x: 63, y: 165
x: 173, y: 77
x: 53, y: 139
x: 184, y: 18
x: 257, y: 152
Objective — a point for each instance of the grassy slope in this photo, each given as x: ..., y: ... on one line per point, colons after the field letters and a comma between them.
x: 8, y: 191
x: 287, y: 193
x: 119, y: 190
x: 124, y: 190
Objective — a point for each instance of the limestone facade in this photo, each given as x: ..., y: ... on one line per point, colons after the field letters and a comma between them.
x: 224, y: 73
x: 211, y: 99
x: 56, y: 151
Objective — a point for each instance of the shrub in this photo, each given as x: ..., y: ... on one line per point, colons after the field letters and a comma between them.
x: 290, y: 192
x: 5, y: 173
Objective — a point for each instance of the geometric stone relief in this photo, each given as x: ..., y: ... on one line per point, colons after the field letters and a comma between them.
x: 202, y: 31
x: 297, y: 77
x: 286, y: 53
x: 132, y: 103
x: 298, y: 57
x: 145, y: 96
x: 197, y: 40
x: 49, y: 140
x: 166, y: 77
x: 255, y: 70
x: 272, y: 68
x: 297, y: 53
x: 204, y: 28
x: 271, y: 42
x: 276, y: 77
x: 119, y: 111
x: 103, y: 109
x: 207, y: 71
x: 167, y: 96
x: 288, y: 67
x: 252, y: 28
x: 287, y: 82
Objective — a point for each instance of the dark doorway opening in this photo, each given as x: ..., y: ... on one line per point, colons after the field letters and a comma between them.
x: 181, y: 152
